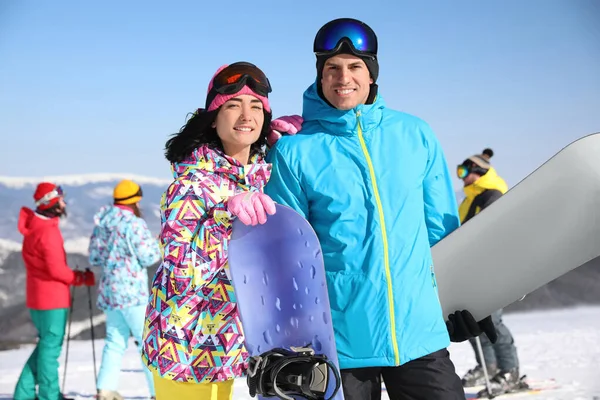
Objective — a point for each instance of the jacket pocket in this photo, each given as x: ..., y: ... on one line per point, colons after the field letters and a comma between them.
x: 360, y: 315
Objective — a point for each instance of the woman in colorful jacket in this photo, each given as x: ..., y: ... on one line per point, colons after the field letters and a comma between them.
x: 123, y: 247
x: 193, y: 339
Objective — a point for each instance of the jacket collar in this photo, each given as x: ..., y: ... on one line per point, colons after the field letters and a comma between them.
x: 340, y: 122
x: 256, y: 173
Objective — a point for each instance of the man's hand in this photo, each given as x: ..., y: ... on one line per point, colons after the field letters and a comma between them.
x: 462, y: 326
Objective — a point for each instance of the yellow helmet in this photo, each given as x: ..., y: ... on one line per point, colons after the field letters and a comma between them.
x: 127, y: 192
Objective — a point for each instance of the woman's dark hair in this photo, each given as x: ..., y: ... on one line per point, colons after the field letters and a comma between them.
x: 198, y: 131
x: 54, y: 211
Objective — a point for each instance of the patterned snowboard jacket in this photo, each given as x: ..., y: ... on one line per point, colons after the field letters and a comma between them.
x: 123, y: 247
x: 192, y: 331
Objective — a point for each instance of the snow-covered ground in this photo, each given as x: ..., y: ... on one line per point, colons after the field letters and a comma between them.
x: 564, y: 345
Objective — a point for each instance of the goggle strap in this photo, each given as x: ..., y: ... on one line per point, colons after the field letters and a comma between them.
x: 49, y: 197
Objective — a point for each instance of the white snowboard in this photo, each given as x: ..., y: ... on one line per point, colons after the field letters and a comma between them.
x: 542, y: 228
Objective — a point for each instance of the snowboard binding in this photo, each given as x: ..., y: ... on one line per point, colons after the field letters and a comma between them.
x: 296, y: 372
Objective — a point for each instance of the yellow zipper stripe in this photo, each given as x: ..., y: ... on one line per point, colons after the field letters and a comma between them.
x: 386, y: 259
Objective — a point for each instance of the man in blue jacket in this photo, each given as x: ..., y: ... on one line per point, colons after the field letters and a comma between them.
x: 374, y: 184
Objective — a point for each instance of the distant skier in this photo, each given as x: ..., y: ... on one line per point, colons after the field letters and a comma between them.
x: 123, y: 246
x: 48, y: 296
x: 483, y: 186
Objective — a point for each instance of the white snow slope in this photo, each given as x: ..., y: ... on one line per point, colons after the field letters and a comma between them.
x: 563, y: 344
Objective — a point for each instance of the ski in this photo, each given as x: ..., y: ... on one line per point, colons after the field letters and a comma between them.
x: 535, y: 387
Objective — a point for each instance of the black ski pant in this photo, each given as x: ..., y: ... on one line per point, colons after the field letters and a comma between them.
x: 431, y: 377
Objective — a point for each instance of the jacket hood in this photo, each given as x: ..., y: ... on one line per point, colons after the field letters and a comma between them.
x: 111, y: 216
x: 491, y: 180
x: 340, y: 122
x: 29, y: 221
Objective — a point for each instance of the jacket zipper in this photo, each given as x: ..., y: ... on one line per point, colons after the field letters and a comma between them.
x: 386, y: 259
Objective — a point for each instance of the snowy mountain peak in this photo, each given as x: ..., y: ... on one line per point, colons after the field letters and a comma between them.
x: 80, y: 180
x: 9, y: 245
x: 72, y: 246
x: 85, y: 195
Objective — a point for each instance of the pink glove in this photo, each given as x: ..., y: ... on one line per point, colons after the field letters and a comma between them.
x: 251, y: 207
x: 290, y: 124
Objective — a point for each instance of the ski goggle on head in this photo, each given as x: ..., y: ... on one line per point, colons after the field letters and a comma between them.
x: 237, y: 75
x: 48, y: 197
x: 356, y: 34
x: 462, y: 171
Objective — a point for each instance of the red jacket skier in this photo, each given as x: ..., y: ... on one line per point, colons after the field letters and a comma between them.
x: 48, y: 297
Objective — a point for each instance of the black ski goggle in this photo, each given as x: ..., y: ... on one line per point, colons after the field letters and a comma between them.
x: 237, y: 75
x: 356, y: 34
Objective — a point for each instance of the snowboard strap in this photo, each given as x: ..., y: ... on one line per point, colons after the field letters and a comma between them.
x: 296, y: 372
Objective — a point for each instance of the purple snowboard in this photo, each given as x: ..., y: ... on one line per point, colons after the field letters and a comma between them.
x: 279, y: 281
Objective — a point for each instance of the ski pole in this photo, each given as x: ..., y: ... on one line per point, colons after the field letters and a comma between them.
x: 89, y: 290
x: 68, y: 337
x: 484, y: 367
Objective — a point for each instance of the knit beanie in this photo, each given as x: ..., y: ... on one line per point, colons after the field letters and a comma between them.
x: 127, y: 192
x: 371, y: 62
x: 46, y: 195
x: 479, y: 163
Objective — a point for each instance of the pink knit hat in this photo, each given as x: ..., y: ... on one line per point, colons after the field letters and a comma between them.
x: 221, y: 99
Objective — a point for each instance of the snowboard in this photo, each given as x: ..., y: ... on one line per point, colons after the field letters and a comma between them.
x: 545, y: 226
x: 278, y: 276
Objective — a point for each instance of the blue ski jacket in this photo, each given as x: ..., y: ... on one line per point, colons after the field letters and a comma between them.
x: 375, y: 186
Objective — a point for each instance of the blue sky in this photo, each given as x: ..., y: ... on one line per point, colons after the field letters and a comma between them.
x: 93, y: 87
